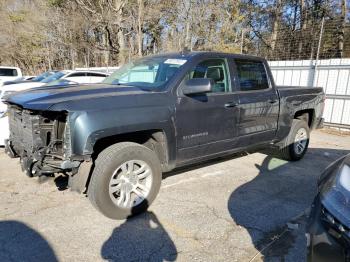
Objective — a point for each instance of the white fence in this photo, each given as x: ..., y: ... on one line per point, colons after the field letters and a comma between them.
x: 332, y: 74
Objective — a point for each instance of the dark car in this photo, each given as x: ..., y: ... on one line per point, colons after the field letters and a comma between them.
x: 328, y: 232
x: 113, y: 140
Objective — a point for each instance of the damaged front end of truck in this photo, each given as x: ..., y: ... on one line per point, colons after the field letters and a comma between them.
x: 42, y: 141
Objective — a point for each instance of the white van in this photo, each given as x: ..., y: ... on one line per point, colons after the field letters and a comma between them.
x: 8, y: 73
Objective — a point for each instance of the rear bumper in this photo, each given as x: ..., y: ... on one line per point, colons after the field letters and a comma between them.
x: 320, y: 123
x: 323, y: 246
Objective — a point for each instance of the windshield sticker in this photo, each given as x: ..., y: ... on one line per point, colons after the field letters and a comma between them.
x: 175, y: 61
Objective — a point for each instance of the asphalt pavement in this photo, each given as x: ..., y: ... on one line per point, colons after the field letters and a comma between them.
x: 242, y: 208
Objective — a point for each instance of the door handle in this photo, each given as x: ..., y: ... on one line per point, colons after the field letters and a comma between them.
x: 231, y: 104
x: 272, y: 101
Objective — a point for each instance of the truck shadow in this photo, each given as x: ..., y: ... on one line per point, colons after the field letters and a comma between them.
x: 140, y: 238
x: 280, y: 193
x: 190, y: 167
x: 19, y: 242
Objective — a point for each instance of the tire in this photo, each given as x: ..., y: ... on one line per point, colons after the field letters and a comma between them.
x: 112, y: 170
x: 289, y: 150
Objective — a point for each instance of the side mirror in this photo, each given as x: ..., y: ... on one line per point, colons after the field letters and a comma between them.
x: 198, y: 86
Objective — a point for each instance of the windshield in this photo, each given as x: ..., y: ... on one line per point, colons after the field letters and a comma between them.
x: 42, y: 76
x: 53, y: 77
x: 150, y: 72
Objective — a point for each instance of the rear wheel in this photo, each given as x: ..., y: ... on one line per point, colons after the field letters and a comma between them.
x: 296, y: 143
x: 125, y: 181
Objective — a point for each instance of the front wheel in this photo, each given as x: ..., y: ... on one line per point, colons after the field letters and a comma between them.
x: 296, y: 143
x: 125, y: 181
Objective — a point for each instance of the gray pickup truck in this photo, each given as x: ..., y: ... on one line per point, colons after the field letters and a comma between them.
x: 115, y: 139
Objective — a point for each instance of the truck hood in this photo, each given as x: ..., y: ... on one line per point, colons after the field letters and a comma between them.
x: 69, y: 97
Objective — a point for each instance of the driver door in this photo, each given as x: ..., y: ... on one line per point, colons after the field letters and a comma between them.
x: 206, y: 123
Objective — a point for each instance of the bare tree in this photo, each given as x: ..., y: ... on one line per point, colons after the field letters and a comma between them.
x: 342, y: 28
x: 53, y: 34
x: 276, y: 19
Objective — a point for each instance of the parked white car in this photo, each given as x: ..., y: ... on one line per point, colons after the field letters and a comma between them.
x: 81, y: 77
x: 8, y: 73
x: 106, y: 69
x: 4, y: 125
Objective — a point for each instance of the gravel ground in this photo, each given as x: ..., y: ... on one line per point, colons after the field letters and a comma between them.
x: 233, y: 209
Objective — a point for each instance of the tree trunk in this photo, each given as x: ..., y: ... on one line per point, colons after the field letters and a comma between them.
x: 48, y: 56
x: 303, y: 26
x: 72, y: 57
x: 107, y: 47
x: 122, y: 47
x: 187, y: 38
x: 140, y: 22
x: 188, y: 26
x: 342, y: 29
x: 295, y: 11
x: 276, y: 18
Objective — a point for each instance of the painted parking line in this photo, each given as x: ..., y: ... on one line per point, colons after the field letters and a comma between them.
x: 186, y: 180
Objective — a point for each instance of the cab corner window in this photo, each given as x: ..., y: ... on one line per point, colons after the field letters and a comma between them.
x: 215, y: 69
x: 251, y: 75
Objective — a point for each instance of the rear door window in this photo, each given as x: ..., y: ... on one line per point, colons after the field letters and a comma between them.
x: 251, y: 75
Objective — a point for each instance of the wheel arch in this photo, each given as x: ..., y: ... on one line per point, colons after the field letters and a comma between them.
x: 308, y: 115
x: 154, y: 139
